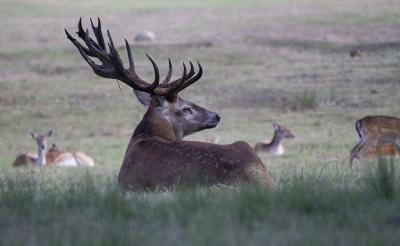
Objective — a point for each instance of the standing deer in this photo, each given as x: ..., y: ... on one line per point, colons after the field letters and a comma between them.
x: 157, y: 155
x: 275, y: 147
x: 379, y: 136
x: 38, y: 159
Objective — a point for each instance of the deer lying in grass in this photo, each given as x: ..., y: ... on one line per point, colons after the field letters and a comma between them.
x: 60, y: 157
x: 379, y: 136
x: 157, y: 155
x: 54, y: 156
x: 274, y: 146
x: 38, y: 159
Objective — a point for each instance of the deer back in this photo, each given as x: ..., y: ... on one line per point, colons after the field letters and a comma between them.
x: 370, y: 128
x: 152, y: 162
x: 25, y: 159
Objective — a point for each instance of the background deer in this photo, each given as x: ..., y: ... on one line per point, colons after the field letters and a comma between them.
x: 274, y: 146
x: 38, y: 159
x: 378, y: 137
x: 156, y: 155
x: 54, y: 156
x: 61, y: 157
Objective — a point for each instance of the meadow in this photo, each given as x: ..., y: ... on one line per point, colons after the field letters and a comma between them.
x: 263, y: 61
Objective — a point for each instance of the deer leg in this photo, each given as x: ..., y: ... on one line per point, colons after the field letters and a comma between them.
x: 360, y: 150
x: 354, y: 152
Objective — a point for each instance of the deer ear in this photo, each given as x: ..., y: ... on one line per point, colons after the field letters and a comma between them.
x: 33, y: 135
x: 275, y: 125
x: 143, y: 97
x: 50, y: 133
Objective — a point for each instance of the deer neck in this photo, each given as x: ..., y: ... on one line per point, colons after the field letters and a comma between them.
x: 156, y: 125
x: 41, y: 160
x: 275, y: 146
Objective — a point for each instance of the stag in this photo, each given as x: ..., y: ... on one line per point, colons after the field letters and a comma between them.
x: 157, y: 156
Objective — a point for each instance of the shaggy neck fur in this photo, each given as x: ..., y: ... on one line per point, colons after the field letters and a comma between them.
x: 156, y: 125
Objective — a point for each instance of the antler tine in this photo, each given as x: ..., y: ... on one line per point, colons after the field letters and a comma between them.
x: 156, y: 72
x: 187, y: 76
x: 112, y: 66
x: 95, y: 50
x: 82, y: 34
x: 114, y: 54
x: 129, y: 75
x: 169, y: 74
x: 130, y: 58
x: 192, y: 79
x: 173, y: 86
x: 98, y: 33
x: 83, y: 51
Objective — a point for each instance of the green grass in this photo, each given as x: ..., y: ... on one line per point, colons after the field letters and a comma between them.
x: 54, y: 206
x: 264, y: 61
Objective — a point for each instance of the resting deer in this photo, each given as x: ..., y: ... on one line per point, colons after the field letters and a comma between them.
x: 60, y: 157
x: 38, y: 159
x: 379, y: 136
x: 275, y: 147
x: 157, y: 155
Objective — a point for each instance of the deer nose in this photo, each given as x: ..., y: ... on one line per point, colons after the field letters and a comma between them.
x: 217, y: 117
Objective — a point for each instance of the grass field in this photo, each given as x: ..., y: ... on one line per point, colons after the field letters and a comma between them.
x: 264, y: 60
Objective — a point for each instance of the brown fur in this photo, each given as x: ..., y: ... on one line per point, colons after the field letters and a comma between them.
x: 37, y: 159
x: 156, y: 159
x: 56, y: 155
x: 372, y: 130
x: 25, y: 160
x: 275, y: 146
x: 382, y: 150
x: 52, y: 154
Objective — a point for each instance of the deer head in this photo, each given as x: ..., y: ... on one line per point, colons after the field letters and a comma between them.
x: 166, y: 109
x: 41, y: 141
x: 282, y: 131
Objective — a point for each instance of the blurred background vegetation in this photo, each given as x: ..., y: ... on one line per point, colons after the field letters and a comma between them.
x: 287, y: 61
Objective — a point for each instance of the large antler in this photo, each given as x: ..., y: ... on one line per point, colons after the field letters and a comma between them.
x: 112, y: 67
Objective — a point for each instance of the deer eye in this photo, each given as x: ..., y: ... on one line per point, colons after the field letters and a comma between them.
x: 187, y: 110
